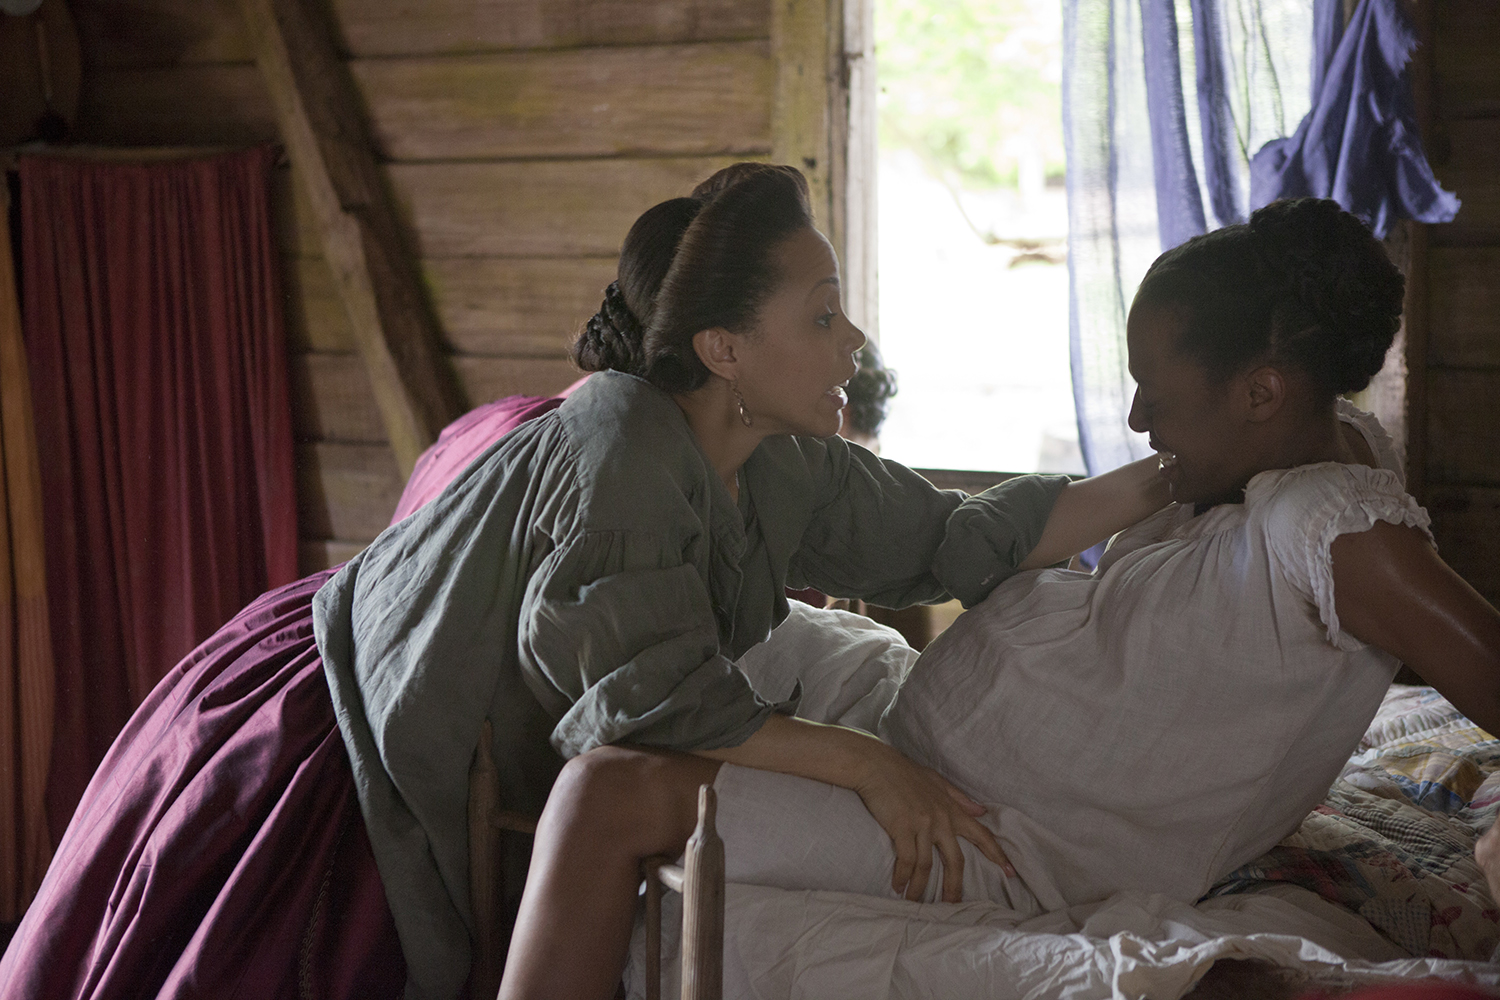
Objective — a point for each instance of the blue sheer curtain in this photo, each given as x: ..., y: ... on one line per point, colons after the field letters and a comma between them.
x: 1184, y: 115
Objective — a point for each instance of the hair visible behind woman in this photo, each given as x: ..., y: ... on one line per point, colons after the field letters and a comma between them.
x: 691, y: 264
x: 1303, y: 283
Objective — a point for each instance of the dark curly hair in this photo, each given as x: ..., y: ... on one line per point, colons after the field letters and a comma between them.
x: 1304, y: 283
x: 691, y: 264
x: 870, y: 391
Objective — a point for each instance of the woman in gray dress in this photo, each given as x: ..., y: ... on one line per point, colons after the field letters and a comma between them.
x: 591, y: 579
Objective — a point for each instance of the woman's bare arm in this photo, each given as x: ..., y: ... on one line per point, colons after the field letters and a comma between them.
x: 917, y: 807
x: 1392, y: 590
x: 1091, y: 510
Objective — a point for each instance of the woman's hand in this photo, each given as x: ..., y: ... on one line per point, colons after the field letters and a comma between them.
x: 915, y: 806
x: 920, y: 810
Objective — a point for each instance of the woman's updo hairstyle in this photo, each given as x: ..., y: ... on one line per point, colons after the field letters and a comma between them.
x: 1303, y: 283
x: 691, y: 264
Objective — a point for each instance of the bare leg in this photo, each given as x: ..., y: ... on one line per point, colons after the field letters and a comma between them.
x: 611, y: 809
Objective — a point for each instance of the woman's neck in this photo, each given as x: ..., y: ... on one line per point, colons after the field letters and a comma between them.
x: 1314, y: 435
x: 713, y: 415
x: 1307, y: 438
x: 1317, y: 437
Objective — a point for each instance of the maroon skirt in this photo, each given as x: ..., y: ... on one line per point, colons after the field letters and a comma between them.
x: 219, y: 849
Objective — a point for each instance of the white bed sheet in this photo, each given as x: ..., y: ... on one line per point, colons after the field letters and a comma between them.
x: 815, y: 945
x: 783, y: 945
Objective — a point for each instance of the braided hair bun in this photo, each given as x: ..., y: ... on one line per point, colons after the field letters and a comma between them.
x: 1340, y: 295
x: 611, y: 339
x: 1304, y: 284
x: 692, y: 264
x: 614, y: 337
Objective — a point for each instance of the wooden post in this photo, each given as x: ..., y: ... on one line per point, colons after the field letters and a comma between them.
x: 823, y: 123
x: 323, y: 126
x: 486, y: 890
x: 858, y: 173
x: 802, y: 128
x: 653, y: 928
x: 703, y: 906
x: 1415, y: 308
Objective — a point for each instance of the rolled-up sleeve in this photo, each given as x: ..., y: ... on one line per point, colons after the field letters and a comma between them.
x: 626, y: 648
x: 881, y: 532
x: 991, y: 534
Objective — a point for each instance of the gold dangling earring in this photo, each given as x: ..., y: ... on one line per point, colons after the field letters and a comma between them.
x: 745, y: 418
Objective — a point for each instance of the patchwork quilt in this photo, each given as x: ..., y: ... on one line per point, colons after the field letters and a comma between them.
x: 1394, y: 840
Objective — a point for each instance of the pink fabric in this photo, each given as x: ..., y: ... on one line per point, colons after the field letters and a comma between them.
x: 158, y: 366
x: 465, y: 440
x: 219, y: 849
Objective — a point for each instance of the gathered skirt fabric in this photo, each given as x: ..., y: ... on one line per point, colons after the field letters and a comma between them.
x: 219, y: 850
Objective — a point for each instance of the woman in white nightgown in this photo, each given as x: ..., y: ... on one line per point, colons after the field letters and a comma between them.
x: 1153, y: 725
x: 1159, y: 722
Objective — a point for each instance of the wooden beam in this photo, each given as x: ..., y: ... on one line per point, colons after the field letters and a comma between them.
x: 345, y: 491
x: 538, y: 208
x: 859, y: 252
x: 322, y: 124
x: 823, y: 123
x: 702, y: 98
x: 803, y: 43
x: 1414, y: 313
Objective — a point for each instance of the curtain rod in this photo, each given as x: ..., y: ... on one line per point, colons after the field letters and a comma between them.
x: 119, y: 154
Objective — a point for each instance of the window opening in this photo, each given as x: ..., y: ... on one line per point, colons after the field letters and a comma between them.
x: 972, y: 224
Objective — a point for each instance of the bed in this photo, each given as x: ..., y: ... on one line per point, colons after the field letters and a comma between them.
x: 1378, y: 883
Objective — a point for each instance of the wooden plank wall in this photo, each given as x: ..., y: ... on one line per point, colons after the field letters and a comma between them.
x: 520, y: 138
x: 1462, y: 489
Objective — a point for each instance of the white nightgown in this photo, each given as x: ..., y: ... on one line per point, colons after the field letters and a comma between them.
x: 1150, y: 726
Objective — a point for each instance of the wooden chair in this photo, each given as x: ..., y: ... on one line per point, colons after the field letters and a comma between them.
x: 700, y: 880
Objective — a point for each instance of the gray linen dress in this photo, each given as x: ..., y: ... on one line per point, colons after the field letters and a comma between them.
x: 589, y: 580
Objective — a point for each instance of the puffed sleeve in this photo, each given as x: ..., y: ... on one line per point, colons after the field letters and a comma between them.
x: 882, y: 533
x: 618, y: 637
x: 1311, y: 506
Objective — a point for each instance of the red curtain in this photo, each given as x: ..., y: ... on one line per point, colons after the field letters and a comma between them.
x: 152, y: 314
x: 26, y: 666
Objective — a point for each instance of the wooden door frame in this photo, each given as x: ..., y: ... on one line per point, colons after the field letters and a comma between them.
x: 823, y: 123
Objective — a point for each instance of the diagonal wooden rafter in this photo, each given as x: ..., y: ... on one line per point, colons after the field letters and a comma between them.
x: 323, y: 126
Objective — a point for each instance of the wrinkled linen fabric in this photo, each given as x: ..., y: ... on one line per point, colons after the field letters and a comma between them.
x: 1159, y: 723
x: 1076, y: 708
x: 464, y: 440
x: 826, y: 945
x: 815, y: 945
x: 588, y: 580
x: 860, y: 665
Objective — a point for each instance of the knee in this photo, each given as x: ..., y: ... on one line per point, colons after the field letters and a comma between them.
x: 631, y: 798
x: 612, y: 793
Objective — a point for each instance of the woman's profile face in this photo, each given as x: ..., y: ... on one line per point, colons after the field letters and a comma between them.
x: 1191, y: 419
x: 794, y: 365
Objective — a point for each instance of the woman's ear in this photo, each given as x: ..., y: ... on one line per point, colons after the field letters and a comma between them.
x: 718, y: 349
x: 1265, y: 393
